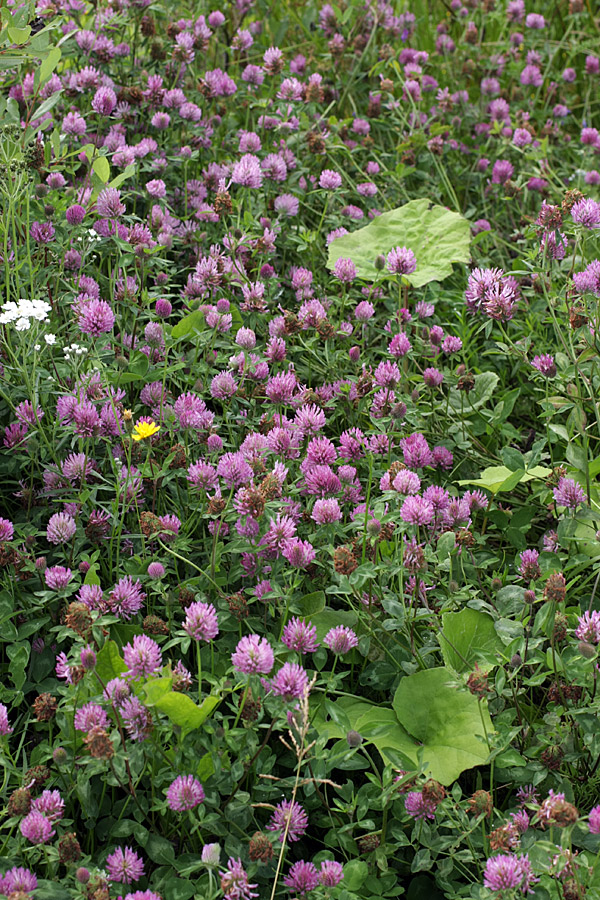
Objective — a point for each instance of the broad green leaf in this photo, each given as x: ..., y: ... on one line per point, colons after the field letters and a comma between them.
x: 329, y: 618
x: 49, y: 64
x: 445, y: 720
x: 437, y: 237
x: 311, y: 604
x: 376, y: 724
x: 122, y: 176
x: 19, y: 35
x: 44, y: 108
x: 469, y: 637
x: 355, y: 873
x: 205, y: 767
x: 91, y: 576
x: 190, y: 325
x: 479, y: 395
x: 180, y: 708
x: 109, y: 663
x: 500, y: 478
x: 101, y: 167
x: 159, y: 849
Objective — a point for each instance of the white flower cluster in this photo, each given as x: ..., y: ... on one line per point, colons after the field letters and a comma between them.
x: 23, y: 312
x: 74, y: 350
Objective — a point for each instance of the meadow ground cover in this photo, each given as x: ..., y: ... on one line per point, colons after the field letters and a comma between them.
x: 300, y: 524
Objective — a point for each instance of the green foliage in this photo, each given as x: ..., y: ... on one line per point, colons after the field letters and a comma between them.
x: 436, y: 236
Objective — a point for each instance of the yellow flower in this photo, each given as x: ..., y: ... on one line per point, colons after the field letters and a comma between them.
x: 144, y: 430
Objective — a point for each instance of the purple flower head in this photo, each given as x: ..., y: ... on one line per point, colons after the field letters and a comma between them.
x: 330, y: 180
x: 90, y: 715
x: 302, y: 878
x: 18, y: 879
x: 4, y: 723
x: 586, y: 213
x: 253, y: 654
x: 57, y: 578
x: 331, y: 873
x: 291, y: 816
x: 109, y: 205
x: 299, y: 554
x: 502, y: 171
x: 300, y: 636
x: 416, y: 511
x: 124, y: 865
x: 545, y: 364
x: 340, y: 639
x: 247, y: 172
x: 588, y: 627
x: 126, y: 598
x: 401, y: 261
x: 142, y: 657
x: 568, y: 493
x: 234, y: 470
x: 185, y: 792
x: 137, y: 719
x: 95, y: 317
x: 433, y: 377
x: 234, y: 882
x: 418, y: 806
x: 529, y: 568
x: 36, y: 828
x: 61, y: 528
x: 416, y: 451
x: 326, y: 511
x: 7, y: 530
x: 290, y: 682
x: 104, y: 101
x: 156, y: 570
x: 201, y: 621
x: 508, y: 872
x: 344, y: 270
x: 531, y: 75
x: 594, y: 820
x: 42, y: 232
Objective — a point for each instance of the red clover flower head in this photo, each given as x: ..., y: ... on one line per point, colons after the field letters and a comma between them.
x: 290, y: 682
x: 588, y: 627
x: 344, y: 270
x: 418, y: 806
x: 416, y: 511
x: 300, y: 636
x: 90, y: 715
x: 330, y: 873
x: 594, y: 820
x: 185, y: 792
x: 234, y: 882
x: 124, y: 865
x: 142, y: 657
x: 36, y: 828
x: 401, y: 261
x: 509, y: 872
x: 568, y: 493
x: 545, y: 364
x: 340, y: 639
x: 5, y: 727
x: 201, y: 621
x: 299, y: 554
x: 292, y: 813
x: 253, y: 655
x: 302, y: 878
x: 17, y: 879
x: 61, y: 528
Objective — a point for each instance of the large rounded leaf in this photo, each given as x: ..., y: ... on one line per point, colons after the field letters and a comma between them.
x: 446, y: 721
x: 437, y: 237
